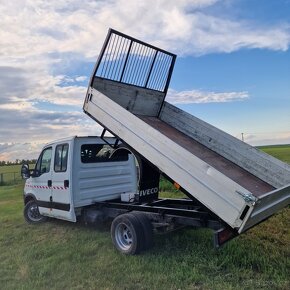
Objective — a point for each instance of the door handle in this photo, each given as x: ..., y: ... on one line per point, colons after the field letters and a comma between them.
x: 49, y: 183
x: 66, y: 183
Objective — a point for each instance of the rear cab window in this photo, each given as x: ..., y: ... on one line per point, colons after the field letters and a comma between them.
x: 94, y: 153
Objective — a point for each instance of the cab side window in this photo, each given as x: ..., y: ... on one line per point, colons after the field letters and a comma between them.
x: 43, y: 163
x: 60, y: 159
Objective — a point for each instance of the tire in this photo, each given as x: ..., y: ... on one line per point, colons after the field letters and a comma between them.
x: 127, y: 234
x: 31, y: 213
x: 147, y: 229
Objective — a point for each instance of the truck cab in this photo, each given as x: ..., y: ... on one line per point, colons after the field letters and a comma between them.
x: 74, y: 173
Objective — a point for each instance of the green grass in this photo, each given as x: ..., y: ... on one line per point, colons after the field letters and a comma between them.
x: 10, y: 174
x: 63, y: 255
x: 279, y: 151
x: 10, y: 168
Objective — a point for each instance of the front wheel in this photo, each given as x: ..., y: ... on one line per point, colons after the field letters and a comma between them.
x: 31, y: 213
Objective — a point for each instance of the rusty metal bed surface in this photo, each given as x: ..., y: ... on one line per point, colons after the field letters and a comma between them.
x: 255, y: 185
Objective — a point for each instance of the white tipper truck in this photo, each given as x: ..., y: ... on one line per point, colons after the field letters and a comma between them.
x: 230, y: 185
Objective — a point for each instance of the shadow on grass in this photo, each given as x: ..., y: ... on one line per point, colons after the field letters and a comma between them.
x: 246, y: 254
x: 180, y: 241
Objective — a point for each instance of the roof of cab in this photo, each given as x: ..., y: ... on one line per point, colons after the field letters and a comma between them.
x: 70, y: 138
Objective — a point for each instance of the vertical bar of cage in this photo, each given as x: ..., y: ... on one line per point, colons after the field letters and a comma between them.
x: 148, y: 64
x: 110, y: 55
x: 153, y: 73
x: 157, y: 72
x: 126, y: 60
x: 117, y: 58
x: 133, y: 61
x: 100, y: 57
x: 120, y: 61
x: 128, y: 71
x: 104, y: 61
x: 163, y: 71
x: 141, y: 72
x: 169, y: 75
x: 126, y: 45
x: 126, y: 76
x: 150, y: 70
x: 114, y: 59
x: 159, y: 75
x: 168, y: 71
x: 138, y: 62
x: 168, y: 61
x: 140, y: 69
x: 107, y: 57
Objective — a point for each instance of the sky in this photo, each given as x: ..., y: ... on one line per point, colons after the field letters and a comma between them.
x: 232, y: 68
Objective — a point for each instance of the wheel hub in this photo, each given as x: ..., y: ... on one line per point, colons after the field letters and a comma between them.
x: 33, y: 213
x: 123, y: 236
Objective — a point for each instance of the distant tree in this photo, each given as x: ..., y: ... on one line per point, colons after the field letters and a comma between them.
x: 17, y: 161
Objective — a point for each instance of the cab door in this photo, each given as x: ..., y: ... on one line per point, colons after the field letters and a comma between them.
x: 61, y: 184
x: 41, y: 181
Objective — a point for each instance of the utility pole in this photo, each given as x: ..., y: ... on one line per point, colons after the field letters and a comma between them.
x: 242, y: 137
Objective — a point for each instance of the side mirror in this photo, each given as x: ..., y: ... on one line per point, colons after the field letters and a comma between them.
x: 25, y: 173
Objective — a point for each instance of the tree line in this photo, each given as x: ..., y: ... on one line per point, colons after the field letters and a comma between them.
x: 17, y: 161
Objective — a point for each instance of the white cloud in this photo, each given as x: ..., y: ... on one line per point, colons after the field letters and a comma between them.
x: 267, y: 138
x: 196, y: 96
x: 19, y: 151
x: 81, y: 78
x: 17, y: 104
x: 41, y: 42
x: 39, y: 126
x: 50, y: 89
x: 31, y: 29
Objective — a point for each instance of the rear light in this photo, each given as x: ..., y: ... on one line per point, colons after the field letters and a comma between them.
x: 176, y: 185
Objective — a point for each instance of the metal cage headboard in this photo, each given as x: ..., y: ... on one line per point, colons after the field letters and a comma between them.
x: 128, y: 60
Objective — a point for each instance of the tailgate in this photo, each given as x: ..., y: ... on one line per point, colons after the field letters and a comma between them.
x: 266, y: 205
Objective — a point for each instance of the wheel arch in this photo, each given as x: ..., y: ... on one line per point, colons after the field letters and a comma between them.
x: 29, y: 197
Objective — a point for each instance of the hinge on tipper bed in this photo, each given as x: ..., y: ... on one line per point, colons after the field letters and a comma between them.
x: 103, y: 138
x: 248, y: 197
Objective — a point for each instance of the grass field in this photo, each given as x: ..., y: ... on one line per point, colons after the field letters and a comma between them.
x: 10, y: 174
x: 62, y: 255
x: 279, y: 151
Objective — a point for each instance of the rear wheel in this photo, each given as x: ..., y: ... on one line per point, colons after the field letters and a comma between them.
x: 127, y: 234
x: 147, y: 229
x: 31, y: 213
